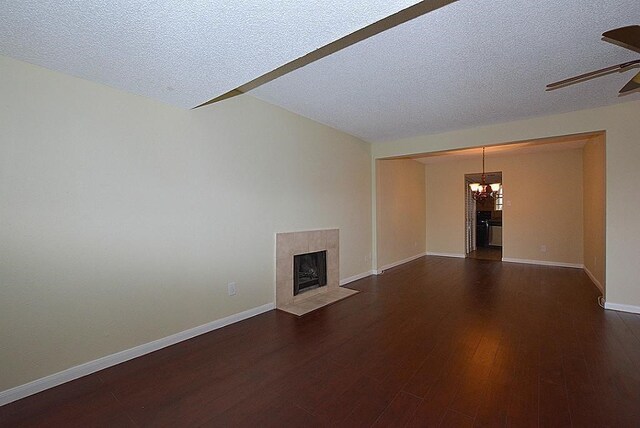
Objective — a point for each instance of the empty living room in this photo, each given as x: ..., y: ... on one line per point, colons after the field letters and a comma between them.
x: 332, y: 214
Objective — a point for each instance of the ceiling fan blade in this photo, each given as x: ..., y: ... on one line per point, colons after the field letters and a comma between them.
x: 627, y: 37
x: 592, y: 75
x: 632, y: 85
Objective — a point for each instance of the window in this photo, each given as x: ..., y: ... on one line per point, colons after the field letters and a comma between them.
x: 499, y: 200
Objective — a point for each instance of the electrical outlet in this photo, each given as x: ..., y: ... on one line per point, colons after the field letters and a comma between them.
x: 543, y: 248
x: 232, y: 289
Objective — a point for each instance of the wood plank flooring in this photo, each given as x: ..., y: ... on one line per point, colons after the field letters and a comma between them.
x: 435, y: 342
x: 486, y: 253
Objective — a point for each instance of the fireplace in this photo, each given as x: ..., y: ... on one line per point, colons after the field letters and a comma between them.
x: 309, y: 271
x: 291, y: 247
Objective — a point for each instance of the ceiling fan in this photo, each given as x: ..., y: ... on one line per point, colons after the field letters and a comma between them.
x: 627, y: 37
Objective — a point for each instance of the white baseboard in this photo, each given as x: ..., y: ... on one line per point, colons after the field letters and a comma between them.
x: 456, y: 255
x: 623, y: 308
x: 594, y: 280
x: 84, y: 369
x: 399, y: 262
x: 543, y: 263
x: 356, y: 277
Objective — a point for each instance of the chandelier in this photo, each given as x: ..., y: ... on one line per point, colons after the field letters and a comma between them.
x: 482, y: 191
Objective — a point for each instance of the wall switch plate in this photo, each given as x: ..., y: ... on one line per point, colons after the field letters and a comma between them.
x: 232, y: 289
x: 543, y: 248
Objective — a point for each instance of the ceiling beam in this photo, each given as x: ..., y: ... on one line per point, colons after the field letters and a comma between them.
x: 377, y: 27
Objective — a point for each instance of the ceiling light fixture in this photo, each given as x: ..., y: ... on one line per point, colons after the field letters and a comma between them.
x: 482, y: 191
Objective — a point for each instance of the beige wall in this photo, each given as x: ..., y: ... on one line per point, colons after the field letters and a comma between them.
x: 123, y: 219
x: 594, y: 209
x: 620, y: 121
x: 445, y: 206
x: 543, y: 205
x: 400, y: 205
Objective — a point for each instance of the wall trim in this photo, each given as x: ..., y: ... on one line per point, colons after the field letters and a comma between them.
x: 622, y: 308
x: 543, y: 263
x: 594, y: 280
x: 87, y: 368
x: 356, y: 277
x: 399, y: 262
x: 456, y: 255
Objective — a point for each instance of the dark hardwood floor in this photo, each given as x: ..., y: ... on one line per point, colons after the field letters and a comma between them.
x: 486, y: 253
x: 436, y: 342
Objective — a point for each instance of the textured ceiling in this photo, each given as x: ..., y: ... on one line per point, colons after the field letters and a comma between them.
x: 180, y: 52
x: 471, y: 63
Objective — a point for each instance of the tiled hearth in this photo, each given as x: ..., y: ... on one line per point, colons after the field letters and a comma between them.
x: 293, y: 243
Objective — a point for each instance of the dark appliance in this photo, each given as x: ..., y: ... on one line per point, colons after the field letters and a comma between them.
x: 482, y: 228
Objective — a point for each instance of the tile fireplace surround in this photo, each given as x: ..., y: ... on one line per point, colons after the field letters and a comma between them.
x: 293, y: 243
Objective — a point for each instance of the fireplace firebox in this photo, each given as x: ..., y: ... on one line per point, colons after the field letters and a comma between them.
x: 309, y: 271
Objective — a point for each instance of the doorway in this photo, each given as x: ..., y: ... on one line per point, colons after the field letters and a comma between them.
x: 483, y: 219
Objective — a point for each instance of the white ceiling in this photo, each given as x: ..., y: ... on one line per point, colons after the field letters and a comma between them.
x: 180, y: 52
x: 470, y: 63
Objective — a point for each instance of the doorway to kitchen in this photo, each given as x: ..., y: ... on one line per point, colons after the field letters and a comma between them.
x: 483, y: 218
